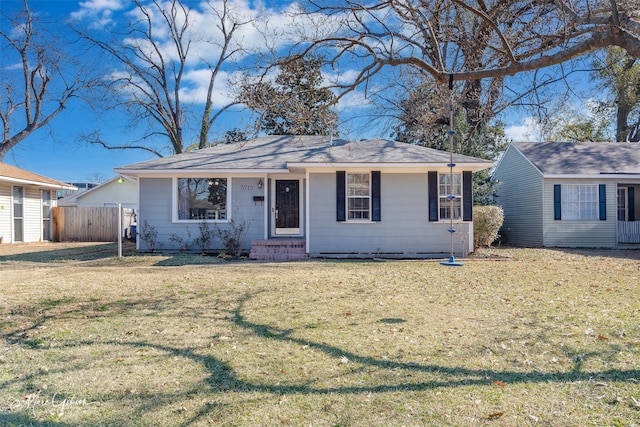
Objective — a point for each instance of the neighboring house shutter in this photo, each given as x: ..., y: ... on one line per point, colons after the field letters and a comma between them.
x: 467, y: 196
x: 632, y: 203
x: 375, y: 196
x: 432, y: 187
x: 603, y: 201
x: 341, y: 213
x: 557, y: 202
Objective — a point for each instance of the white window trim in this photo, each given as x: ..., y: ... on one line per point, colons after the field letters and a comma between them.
x: 445, y: 197
x: 347, y: 197
x: 174, y: 201
x: 564, y: 203
x: 43, y: 218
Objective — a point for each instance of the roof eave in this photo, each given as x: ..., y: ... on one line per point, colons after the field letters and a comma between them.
x: 475, y: 166
x: 196, y: 171
x: 38, y: 183
x: 617, y: 176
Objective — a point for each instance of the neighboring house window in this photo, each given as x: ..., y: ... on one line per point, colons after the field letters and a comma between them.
x: 18, y: 214
x: 579, y: 202
x: 202, y: 198
x: 46, y: 215
x: 358, y: 196
x: 450, y: 185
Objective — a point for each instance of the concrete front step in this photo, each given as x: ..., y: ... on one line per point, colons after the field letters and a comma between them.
x: 278, y: 250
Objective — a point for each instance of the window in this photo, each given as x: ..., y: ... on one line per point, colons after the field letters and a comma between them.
x: 202, y: 199
x: 450, y: 188
x: 358, y: 196
x: 18, y: 214
x: 579, y: 202
x: 46, y: 215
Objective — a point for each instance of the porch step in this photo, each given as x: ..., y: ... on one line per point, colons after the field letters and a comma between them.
x: 278, y: 250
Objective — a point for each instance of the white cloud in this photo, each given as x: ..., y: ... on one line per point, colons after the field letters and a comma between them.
x: 13, y: 67
x: 197, y: 85
x: 529, y: 129
x: 98, y: 12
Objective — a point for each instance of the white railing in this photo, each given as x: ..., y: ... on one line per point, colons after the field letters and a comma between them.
x: 628, y: 231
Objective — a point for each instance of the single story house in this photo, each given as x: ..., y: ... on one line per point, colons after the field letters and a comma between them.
x: 570, y: 194
x: 320, y: 196
x: 26, y: 200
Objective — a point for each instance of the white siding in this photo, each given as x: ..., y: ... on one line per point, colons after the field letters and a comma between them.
x: 574, y: 233
x: 520, y: 193
x: 32, y: 214
x: 157, y: 210
x: 110, y: 194
x: 404, y: 227
x: 5, y: 213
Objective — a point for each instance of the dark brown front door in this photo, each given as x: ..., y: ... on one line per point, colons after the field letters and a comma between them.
x: 287, y: 207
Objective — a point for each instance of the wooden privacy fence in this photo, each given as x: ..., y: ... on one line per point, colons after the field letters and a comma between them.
x: 79, y: 224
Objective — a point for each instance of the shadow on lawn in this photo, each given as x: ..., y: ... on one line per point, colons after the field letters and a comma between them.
x: 19, y: 420
x: 630, y: 254
x: 223, y: 378
x: 34, y: 253
x: 61, y: 252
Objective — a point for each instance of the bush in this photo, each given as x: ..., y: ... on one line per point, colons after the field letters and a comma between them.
x: 487, y: 221
x: 233, y: 236
x: 149, y: 235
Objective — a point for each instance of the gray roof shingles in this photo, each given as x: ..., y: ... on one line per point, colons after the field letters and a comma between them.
x: 276, y: 152
x: 582, y: 158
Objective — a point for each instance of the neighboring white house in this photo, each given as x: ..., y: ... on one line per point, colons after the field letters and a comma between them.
x: 570, y: 194
x: 335, y: 197
x: 26, y: 200
x: 120, y: 190
x: 117, y: 190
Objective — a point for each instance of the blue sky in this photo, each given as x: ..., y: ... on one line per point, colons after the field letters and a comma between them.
x: 57, y: 150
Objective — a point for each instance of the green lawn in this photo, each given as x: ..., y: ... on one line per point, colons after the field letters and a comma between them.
x: 516, y: 337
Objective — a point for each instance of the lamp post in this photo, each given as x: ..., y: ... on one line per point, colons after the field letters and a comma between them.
x: 120, y: 181
x: 119, y: 230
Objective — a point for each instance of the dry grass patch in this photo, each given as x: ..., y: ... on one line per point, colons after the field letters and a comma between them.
x: 542, y: 338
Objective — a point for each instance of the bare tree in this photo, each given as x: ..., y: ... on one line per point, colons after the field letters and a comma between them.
x: 619, y: 74
x: 480, y: 43
x: 153, y: 54
x: 39, y: 79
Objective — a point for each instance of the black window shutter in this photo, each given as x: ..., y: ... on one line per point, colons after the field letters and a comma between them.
x: 632, y: 203
x: 467, y: 196
x: 603, y: 201
x: 557, y: 202
x: 432, y: 187
x: 341, y: 213
x: 375, y: 196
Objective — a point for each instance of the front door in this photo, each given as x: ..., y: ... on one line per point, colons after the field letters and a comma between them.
x: 623, y: 213
x: 287, y: 207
